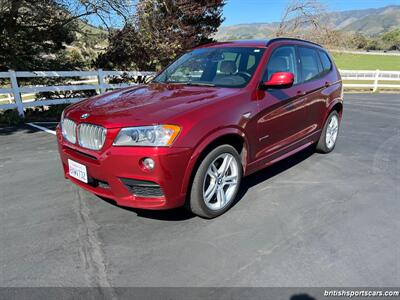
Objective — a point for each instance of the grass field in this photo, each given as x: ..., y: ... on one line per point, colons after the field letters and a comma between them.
x: 346, y: 61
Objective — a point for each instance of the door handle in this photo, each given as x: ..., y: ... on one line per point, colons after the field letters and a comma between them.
x: 301, y: 93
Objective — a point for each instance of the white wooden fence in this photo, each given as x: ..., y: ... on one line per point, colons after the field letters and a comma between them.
x: 373, y: 80
x: 15, y: 96
x: 95, y: 80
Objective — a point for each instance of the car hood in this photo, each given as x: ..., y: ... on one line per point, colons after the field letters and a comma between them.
x: 146, y: 104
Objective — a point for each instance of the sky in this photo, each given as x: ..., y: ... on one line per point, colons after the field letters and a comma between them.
x: 266, y: 11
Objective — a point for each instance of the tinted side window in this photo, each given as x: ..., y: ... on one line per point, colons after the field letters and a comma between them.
x: 309, y: 63
x: 283, y: 59
x: 326, y: 62
x: 251, y: 62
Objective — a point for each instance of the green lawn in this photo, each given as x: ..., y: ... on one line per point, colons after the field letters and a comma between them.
x: 346, y: 61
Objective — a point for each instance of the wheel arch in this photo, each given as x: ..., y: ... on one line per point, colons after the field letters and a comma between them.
x: 335, y: 105
x: 231, y: 136
x: 338, y: 107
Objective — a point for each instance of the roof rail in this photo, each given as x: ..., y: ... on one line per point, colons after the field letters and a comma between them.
x: 290, y: 39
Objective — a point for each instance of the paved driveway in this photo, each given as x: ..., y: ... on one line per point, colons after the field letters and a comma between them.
x: 310, y: 220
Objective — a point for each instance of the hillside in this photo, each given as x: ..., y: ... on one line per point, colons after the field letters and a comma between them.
x: 91, y: 36
x: 369, y: 22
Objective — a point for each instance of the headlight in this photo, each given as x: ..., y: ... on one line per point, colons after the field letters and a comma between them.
x: 160, y: 135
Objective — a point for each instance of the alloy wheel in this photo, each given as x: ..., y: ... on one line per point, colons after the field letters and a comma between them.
x: 220, y: 181
x: 332, y: 131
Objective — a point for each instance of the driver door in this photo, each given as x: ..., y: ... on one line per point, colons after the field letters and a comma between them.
x: 281, y: 118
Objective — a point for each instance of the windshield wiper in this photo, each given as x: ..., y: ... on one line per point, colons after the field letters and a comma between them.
x: 186, y: 83
x: 200, y: 83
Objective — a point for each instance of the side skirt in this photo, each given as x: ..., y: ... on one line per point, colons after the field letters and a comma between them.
x: 283, y: 153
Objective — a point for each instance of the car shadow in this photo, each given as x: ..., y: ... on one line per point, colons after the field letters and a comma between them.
x: 273, y: 170
x: 181, y: 214
x: 175, y: 214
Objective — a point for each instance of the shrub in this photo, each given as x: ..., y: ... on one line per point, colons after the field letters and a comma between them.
x: 10, y: 117
x: 50, y: 114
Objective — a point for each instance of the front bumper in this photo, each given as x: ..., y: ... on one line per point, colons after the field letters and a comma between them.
x: 110, y: 169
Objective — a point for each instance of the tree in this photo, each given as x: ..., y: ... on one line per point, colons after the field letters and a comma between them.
x: 31, y: 31
x: 358, y: 41
x: 35, y: 33
x: 161, y: 30
x: 299, y: 15
x: 309, y: 19
x: 109, y: 13
x: 391, y: 39
x: 125, y: 51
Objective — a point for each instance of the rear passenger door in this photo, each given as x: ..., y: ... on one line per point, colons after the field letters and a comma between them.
x: 313, y: 83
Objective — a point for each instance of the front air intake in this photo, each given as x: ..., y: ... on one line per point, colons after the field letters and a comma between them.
x: 142, y: 188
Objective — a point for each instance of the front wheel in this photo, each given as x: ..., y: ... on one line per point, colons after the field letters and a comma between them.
x: 216, y: 182
x: 329, y: 134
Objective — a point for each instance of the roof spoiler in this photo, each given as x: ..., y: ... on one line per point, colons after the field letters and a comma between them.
x: 290, y: 39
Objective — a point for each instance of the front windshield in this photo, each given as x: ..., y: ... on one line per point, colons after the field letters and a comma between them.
x: 227, y: 67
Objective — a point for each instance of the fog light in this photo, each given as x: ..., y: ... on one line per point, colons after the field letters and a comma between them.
x: 148, y: 163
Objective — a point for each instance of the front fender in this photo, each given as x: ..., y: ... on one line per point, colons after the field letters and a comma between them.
x: 202, y: 145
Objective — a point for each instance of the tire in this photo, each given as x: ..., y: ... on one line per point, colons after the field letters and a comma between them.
x: 329, y: 134
x: 212, y: 179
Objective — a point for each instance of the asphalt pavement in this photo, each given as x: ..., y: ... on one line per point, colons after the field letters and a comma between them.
x: 310, y: 220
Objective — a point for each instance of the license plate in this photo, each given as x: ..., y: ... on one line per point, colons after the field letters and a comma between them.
x: 77, y: 171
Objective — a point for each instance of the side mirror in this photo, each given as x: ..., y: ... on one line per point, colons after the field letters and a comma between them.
x: 279, y: 80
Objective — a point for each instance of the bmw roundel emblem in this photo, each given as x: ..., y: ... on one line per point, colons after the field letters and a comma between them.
x: 85, y: 116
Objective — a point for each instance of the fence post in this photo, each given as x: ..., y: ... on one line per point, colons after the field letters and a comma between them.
x: 100, y: 77
x: 17, y: 94
x: 376, y: 85
x: 9, y: 98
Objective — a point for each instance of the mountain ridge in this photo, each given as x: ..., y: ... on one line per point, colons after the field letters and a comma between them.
x: 370, y: 22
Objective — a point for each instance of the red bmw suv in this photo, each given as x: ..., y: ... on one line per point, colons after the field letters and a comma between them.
x: 219, y: 112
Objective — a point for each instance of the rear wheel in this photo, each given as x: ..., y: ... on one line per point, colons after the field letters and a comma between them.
x: 216, y: 182
x: 327, y: 140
